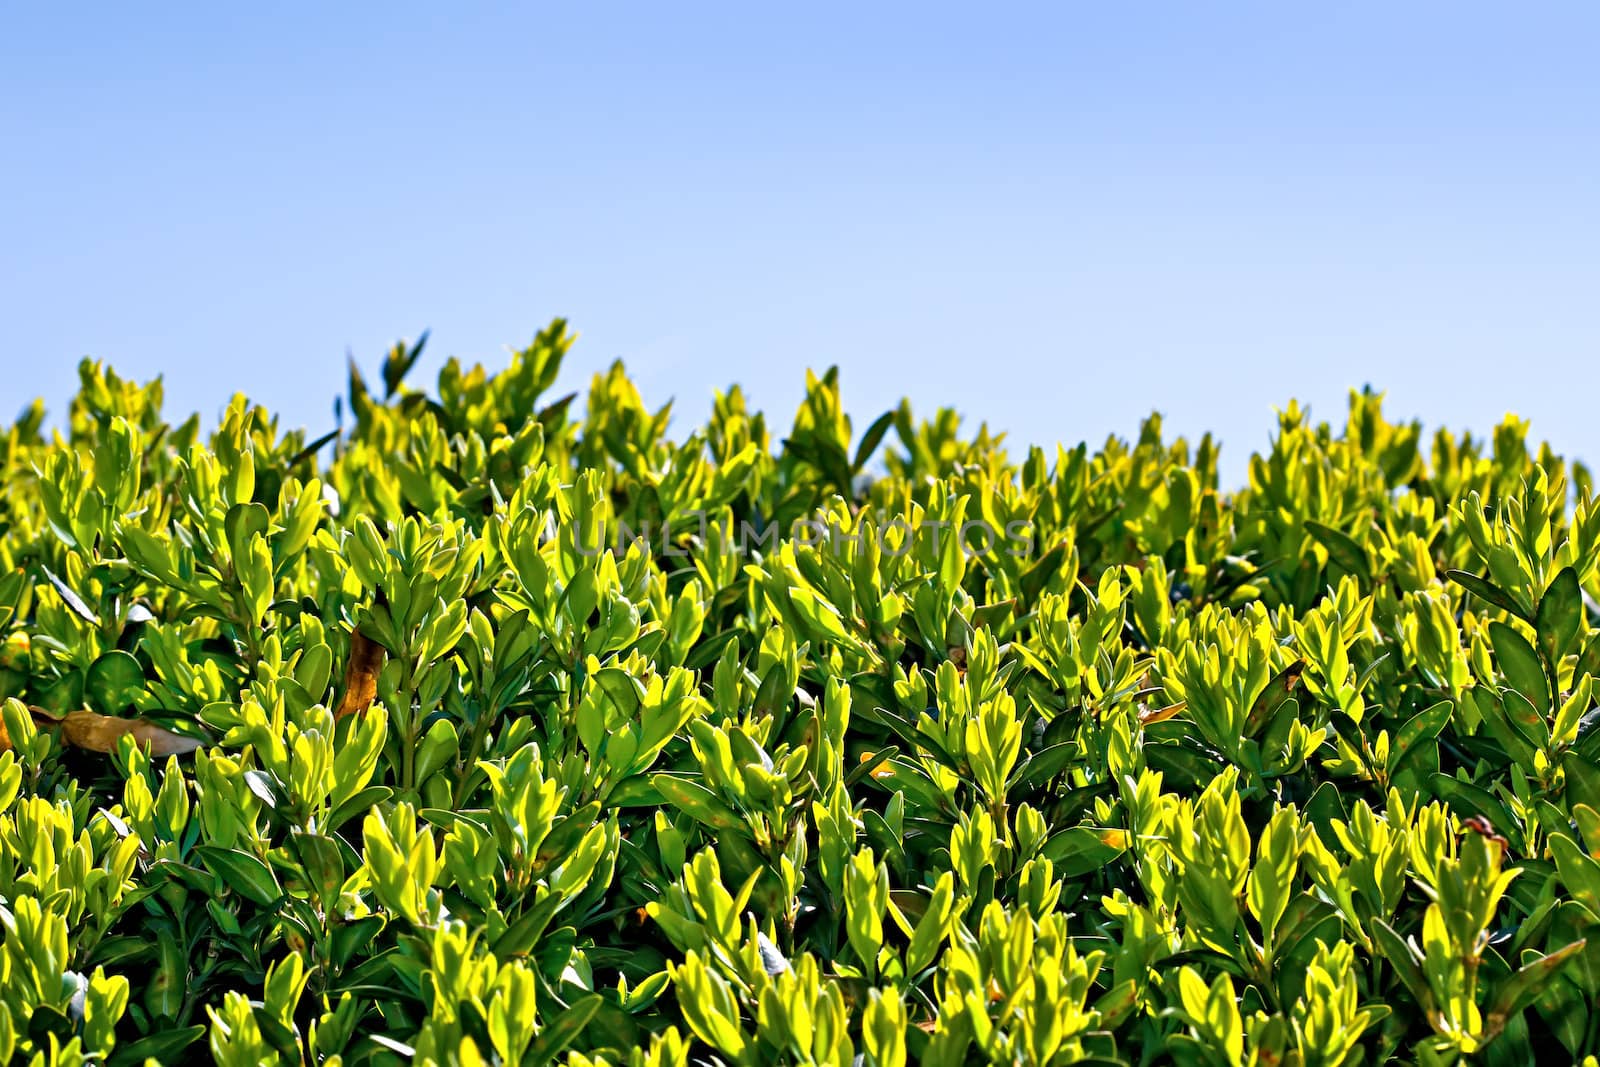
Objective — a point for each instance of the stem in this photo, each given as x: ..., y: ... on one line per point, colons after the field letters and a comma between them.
x: 408, y: 755
x: 474, y: 752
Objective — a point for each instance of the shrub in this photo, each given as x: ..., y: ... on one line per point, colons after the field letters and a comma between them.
x: 489, y: 730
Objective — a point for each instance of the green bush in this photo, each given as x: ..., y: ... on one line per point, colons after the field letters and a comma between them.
x: 498, y: 728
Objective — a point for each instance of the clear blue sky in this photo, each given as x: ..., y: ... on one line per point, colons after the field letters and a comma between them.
x: 1054, y: 217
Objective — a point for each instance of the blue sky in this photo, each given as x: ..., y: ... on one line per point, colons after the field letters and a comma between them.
x: 1055, y: 218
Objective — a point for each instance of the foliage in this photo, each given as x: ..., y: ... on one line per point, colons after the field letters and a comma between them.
x: 496, y: 728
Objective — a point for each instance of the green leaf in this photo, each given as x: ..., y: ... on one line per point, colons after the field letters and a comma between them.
x: 871, y: 440
x: 522, y: 936
x: 165, y: 991
x: 1583, y: 780
x: 1343, y: 550
x: 567, y: 833
x: 1522, y: 988
x: 243, y: 873
x: 699, y: 803
x: 709, y: 649
x: 166, y: 1046
x: 635, y: 792
x: 359, y: 804
x: 262, y: 784
x: 1489, y: 592
x: 1521, y: 666
x: 1188, y: 766
x: 1116, y: 1003
x: 872, y: 763
x: 1418, y: 733
x: 113, y: 681
x: 46, y: 1021
x: 1036, y: 577
x: 1278, y: 689
x: 1081, y: 849
x: 1588, y: 823
x: 1468, y: 800
x: 1579, y: 872
x: 1043, y: 765
x: 915, y: 740
x: 279, y: 1036
x: 242, y: 521
x: 62, y: 696
x: 1406, y: 963
x: 310, y: 450
x: 398, y: 363
x: 1307, y: 924
x: 554, y: 1037
x: 323, y: 864
x: 1525, y: 719
x: 1324, y: 808
x: 1560, y: 616
x: 354, y: 937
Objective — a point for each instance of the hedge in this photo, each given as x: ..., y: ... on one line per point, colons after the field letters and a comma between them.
x: 497, y: 727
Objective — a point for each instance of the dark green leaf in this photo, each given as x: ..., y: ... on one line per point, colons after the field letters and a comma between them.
x: 1036, y: 577
x: 398, y: 363
x: 1343, y: 550
x: 113, y: 682
x: 871, y: 440
x: 1278, y: 689
x: 359, y: 804
x: 708, y: 650
x: 563, y: 1030
x: 166, y: 1046
x: 1082, y: 849
x: 1042, y: 766
x: 870, y: 764
x: 1489, y: 592
x: 1521, y: 665
x: 1405, y: 961
x: 1418, y: 730
x: 1560, y: 615
x: 243, y: 873
x: 1518, y: 991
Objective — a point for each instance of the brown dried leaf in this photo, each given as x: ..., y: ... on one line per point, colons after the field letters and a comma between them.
x: 100, y: 733
x: 1154, y: 715
x: 360, y: 674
